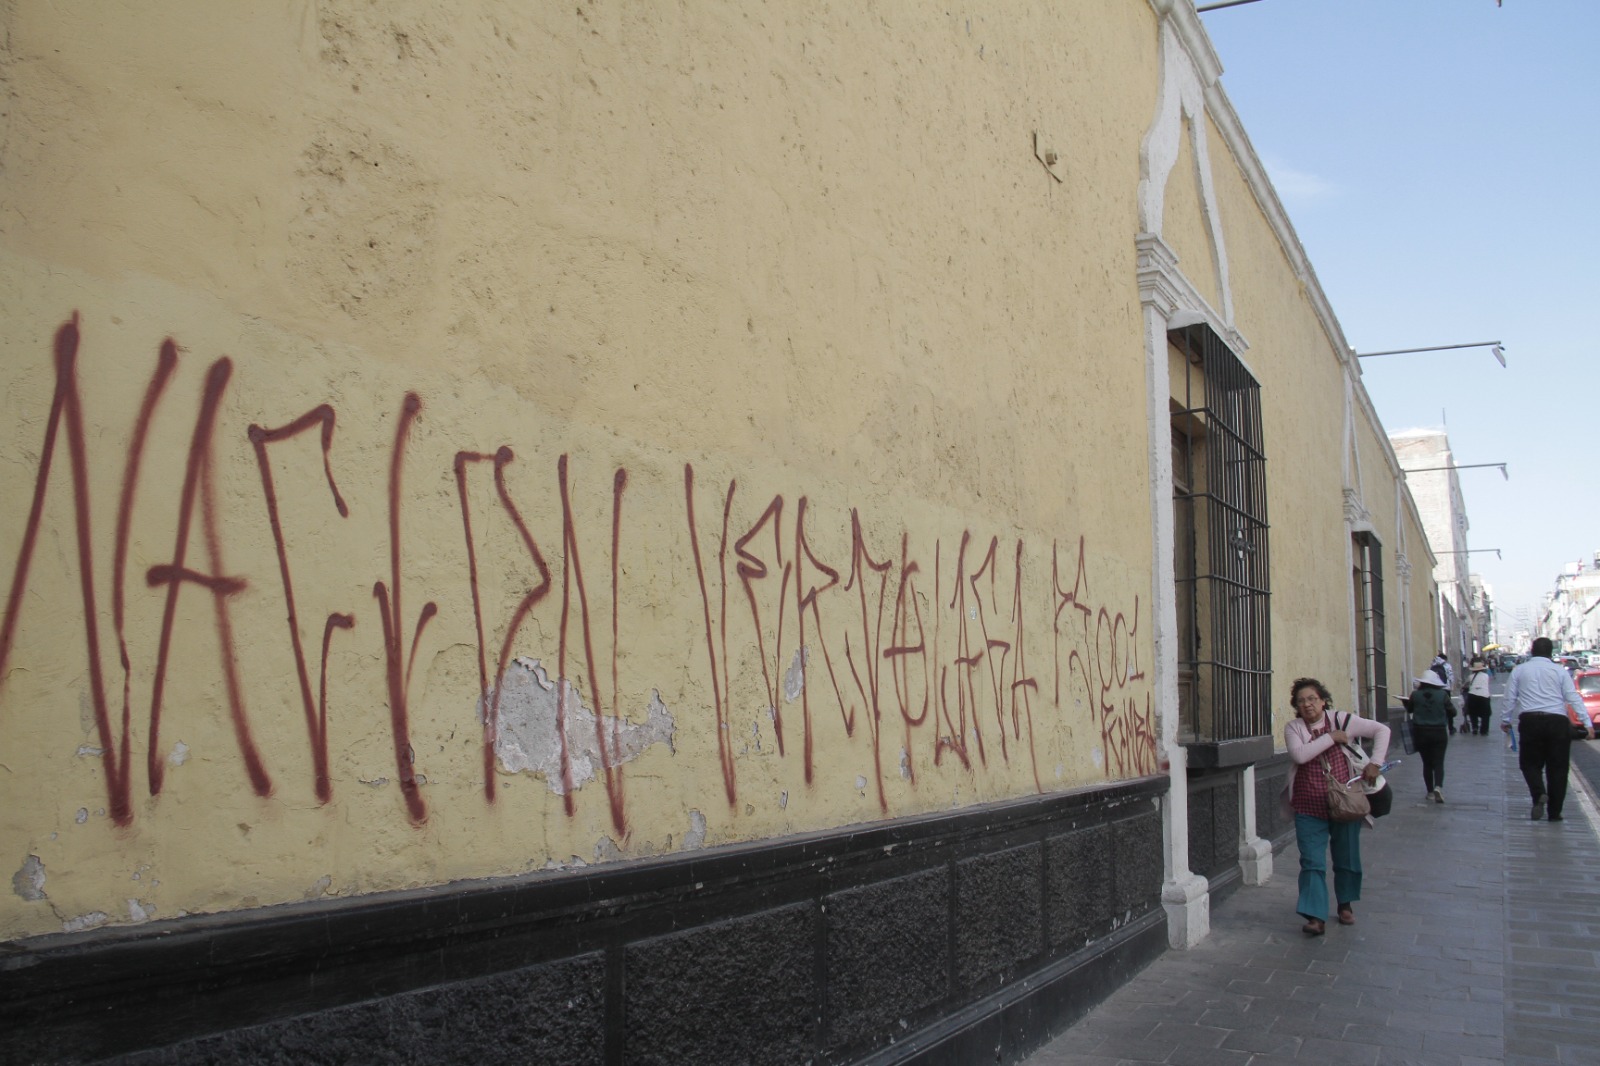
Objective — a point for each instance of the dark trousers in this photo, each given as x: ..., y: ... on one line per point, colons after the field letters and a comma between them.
x: 1431, y: 740
x: 1545, y: 756
x: 1478, y: 714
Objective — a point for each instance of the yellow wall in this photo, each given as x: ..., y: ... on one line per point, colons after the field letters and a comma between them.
x: 694, y: 274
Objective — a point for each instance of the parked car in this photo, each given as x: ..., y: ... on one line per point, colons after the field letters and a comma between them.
x: 1588, y: 682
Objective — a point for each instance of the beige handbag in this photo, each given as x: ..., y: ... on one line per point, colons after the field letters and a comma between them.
x: 1347, y: 801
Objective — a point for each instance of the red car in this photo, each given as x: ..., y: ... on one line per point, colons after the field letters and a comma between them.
x: 1588, y: 682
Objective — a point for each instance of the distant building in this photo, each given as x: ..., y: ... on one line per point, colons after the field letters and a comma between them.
x: 1570, y: 617
x: 1426, y: 456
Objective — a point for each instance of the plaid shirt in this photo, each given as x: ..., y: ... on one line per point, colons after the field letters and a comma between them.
x: 1310, y: 784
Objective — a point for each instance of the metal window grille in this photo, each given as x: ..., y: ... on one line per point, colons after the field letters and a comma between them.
x: 1370, y: 624
x: 1221, y: 493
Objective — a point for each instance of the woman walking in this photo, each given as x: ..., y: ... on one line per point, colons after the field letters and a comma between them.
x: 1478, y: 704
x: 1315, y: 751
x: 1431, y: 711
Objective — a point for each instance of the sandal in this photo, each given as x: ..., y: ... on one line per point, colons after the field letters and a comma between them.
x: 1314, y: 927
x: 1347, y: 916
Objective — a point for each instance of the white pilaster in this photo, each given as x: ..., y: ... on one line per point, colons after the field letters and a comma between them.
x: 1255, y: 854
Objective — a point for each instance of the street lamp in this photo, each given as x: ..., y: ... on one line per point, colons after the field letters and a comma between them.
x: 1495, y: 348
x: 1459, y: 466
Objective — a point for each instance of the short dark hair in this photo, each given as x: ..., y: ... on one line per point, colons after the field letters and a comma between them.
x: 1543, y: 646
x: 1309, y: 682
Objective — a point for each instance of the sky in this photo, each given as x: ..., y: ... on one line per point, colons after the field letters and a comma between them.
x: 1440, y: 162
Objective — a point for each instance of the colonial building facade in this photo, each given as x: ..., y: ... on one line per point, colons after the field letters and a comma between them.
x: 638, y: 533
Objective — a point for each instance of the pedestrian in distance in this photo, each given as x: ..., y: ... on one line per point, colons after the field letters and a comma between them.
x: 1537, y: 698
x: 1431, y: 710
x: 1441, y: 666
x: 1316, y: 751
x: 1479, y: 707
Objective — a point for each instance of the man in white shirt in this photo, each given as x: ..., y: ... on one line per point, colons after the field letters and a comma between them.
x: 1537, y: 700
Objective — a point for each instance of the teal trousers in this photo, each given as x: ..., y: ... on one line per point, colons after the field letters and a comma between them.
x: 1316, y: 838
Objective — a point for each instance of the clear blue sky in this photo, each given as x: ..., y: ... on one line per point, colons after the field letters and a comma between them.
x: 1439, y: 161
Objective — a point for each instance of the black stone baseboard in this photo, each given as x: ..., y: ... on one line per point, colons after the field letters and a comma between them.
x: 919, y: 940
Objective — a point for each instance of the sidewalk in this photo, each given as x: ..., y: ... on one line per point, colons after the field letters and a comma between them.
x: 1477, y: 941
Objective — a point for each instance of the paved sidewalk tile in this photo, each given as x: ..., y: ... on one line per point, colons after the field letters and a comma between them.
x: 1477, y: 941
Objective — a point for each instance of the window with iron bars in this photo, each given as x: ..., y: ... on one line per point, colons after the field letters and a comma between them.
x: 1372, y: 664
x: 1222, y: 565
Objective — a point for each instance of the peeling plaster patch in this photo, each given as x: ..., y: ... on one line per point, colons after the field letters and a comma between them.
x: 1060, y: 771
x: 527, y: 742
x: 1099, y: 758
x: 755, y: 729
x: 376, y: 782
x: 606, y: 850
x: 28, y: 882
x: 783, y: 801
x: 695, y: 838
x: 320, y: 889
x: 905, y: 764
x: 180, y: 754
x: 92, y: 920
x: 794, y: 679
x: 574, y: 862
x: 82, y: 815
x: 861, y: 784
x: 140, y: 912
x: 89, y: 751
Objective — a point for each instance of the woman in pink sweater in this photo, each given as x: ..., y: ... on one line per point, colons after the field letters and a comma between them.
x: 1316, y: 745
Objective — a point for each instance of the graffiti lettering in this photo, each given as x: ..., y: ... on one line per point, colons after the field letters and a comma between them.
x: 530, y: 600
x: 317, y: 716
x: 947, y: 666
x: 399, y: 664
x: 200, y: 479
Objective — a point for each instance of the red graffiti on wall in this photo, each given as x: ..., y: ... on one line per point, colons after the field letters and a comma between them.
x: 200, y: 480
x: 753, y: 569
x: 199, y: 489
x: 572, y: 578
x: 1106, y: 659
x: 530, y: 600
x: 900, y: 653
x: 884, y: 661
x: 718, y: 679
x: 316, y: 714
x: 878, y: 652
x: 808, y: 600
x: 399, y: 664
x: 867, y: 671
x: 67, y: 405
x: 968, y: 656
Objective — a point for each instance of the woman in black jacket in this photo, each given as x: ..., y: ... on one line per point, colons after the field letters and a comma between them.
x: 1431, y: 710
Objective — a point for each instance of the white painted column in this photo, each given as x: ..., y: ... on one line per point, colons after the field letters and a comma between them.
x: 1185, y: 895
x: 1255, y: 854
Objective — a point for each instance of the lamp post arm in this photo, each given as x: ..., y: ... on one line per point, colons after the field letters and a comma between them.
x: 1462, y: 466
x: 1435, y: 348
